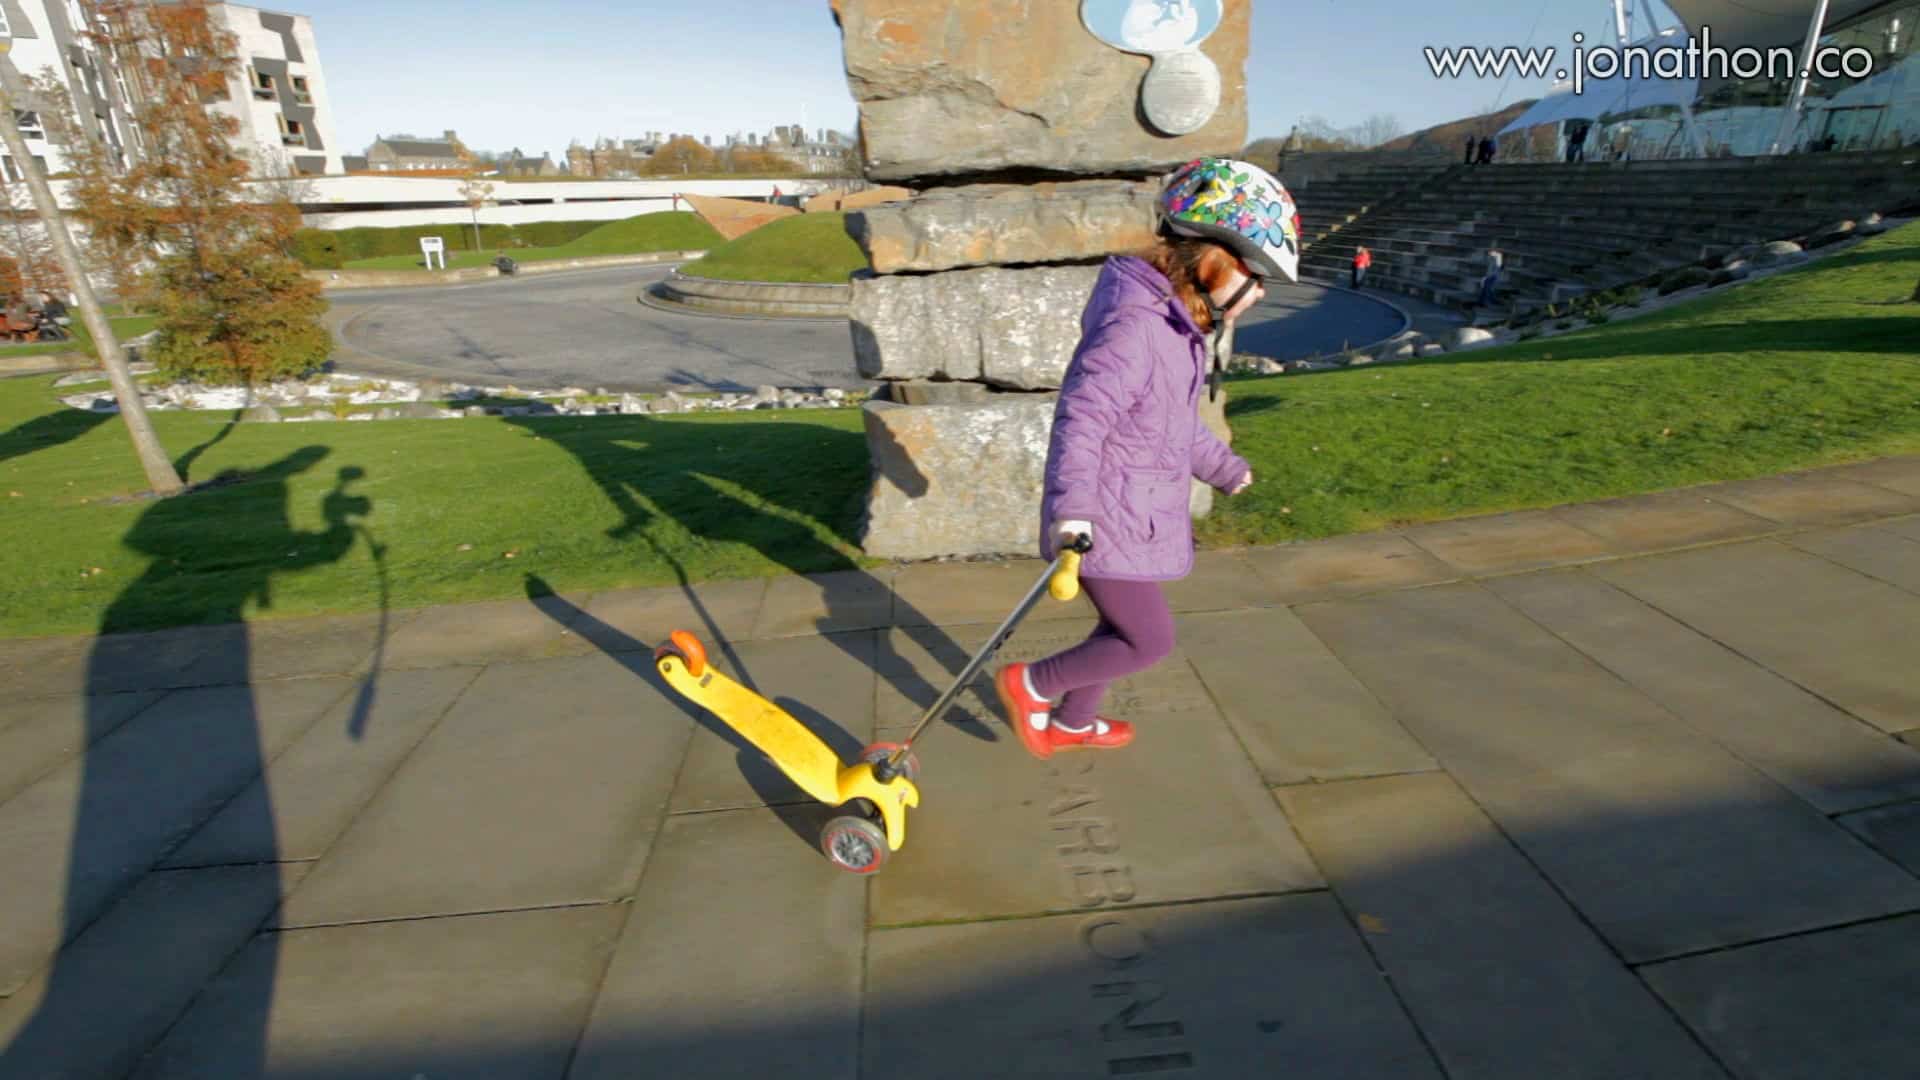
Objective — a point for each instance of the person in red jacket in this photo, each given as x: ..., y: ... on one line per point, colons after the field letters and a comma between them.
x: 1362, y: 262
x: 1127, y: 439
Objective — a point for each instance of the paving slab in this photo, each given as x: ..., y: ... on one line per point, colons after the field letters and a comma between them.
x: 643, y: 618
x: 1839, y: 633
x: 826, y: 683
x: 1662, y: 839
x: 44, y: 667
x: 826, y: 603
x: 1220, y: 581
x: 501, y: 631
x: 1814, y: 1007
x: 161, y: 659
x: 1813, y: 498
x: 915, y: 665
x: 542, y: 786
x: 1179, y: 815
x: 502, y: 996
x: 289, y: 648
x: 1298, y: 710
x: 1507, y: 543
x: 1900, y: 474
x: 1500, y: 974
x: 118, y: 988
x: 1877, y: 553
x: 962, y: 593
x: 742, y: 957
x: 1663, y: 521
x: 1279, y: 986
x: 38, y: 734
x: 1346, y: 566
x: 310, y: 793
x: 1894, y: 830
x: 81, y: 835
x: 1824, y: 755
x: 1908, y: 527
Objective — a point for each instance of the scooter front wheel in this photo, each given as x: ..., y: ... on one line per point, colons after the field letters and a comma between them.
x: 855, y: 844
x: 688, y: 649
x: 881, y: 751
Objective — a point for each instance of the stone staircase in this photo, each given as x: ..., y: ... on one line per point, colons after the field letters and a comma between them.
x: 1569, y: 230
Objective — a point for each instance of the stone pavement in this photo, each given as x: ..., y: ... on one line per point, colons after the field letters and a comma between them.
x: 1627, y: 789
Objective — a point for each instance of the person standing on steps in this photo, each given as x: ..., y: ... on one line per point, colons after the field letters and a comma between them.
x: 1128, y: 442
x: 1362, y: 262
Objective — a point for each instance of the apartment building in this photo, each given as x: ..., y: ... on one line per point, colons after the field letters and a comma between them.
x: 277, y: 91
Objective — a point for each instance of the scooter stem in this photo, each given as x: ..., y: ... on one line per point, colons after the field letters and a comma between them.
x: 893, y: 765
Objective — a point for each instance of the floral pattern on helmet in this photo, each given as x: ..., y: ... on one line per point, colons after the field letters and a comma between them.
x: 1220, y: 195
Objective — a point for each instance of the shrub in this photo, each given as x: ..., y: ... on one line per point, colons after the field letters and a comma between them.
x: 318, y: 249
x: 1685, y: 278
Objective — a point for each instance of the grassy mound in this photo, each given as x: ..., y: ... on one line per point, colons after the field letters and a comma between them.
x: 810, y: 248
x: 1816, y: 366
x: 676, y: 230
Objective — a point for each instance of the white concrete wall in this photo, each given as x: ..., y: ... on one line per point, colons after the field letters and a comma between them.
x: 492, y: 215
x: 615, y: 199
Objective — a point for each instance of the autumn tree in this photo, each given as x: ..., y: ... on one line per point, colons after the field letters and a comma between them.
x: 682, y: 154
x: 27, y: 262
x: 211, y: 258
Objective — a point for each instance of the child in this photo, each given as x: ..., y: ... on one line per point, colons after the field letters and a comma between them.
x: 1362, y: 262
x: 1127, y: 437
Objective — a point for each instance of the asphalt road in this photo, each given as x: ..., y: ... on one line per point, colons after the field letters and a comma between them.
x: 589, y: 329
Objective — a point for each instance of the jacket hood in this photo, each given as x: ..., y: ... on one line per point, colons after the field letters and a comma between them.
x: 1130, y: 281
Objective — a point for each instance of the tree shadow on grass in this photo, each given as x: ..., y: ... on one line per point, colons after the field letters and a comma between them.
x: 49, y: 430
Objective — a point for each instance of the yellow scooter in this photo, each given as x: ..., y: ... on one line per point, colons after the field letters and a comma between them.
x: 878, y: 788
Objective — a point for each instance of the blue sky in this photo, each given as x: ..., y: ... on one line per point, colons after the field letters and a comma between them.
x: 507, y: 73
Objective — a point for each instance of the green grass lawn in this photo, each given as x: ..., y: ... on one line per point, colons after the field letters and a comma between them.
x: 664, y: 231
x: 1809, y: 368
x: 809, y: 248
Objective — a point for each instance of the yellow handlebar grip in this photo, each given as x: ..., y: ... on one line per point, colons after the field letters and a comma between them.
x: 1066, y: 580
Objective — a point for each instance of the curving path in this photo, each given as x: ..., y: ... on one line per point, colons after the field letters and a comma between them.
x: 588, y: 329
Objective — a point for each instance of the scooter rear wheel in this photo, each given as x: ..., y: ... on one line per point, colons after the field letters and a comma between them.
x: 855, y: 844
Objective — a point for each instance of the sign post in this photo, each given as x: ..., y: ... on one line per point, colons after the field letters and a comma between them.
x: 431, y: 246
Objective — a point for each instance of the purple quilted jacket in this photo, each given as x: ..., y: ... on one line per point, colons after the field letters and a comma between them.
x: 1127, y: 437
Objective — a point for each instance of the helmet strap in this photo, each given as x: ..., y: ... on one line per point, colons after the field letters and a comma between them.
x: 1219, y: 312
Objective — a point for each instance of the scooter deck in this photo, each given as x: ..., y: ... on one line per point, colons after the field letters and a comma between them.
x: 807, y: 761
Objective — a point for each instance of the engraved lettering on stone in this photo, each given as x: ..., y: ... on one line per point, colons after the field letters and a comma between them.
x: 1128, y: 1024
x: 1092, y: 836
x: 1119, y: 945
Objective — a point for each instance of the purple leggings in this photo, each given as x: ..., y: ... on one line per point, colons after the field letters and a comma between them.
x: 1135, y: 633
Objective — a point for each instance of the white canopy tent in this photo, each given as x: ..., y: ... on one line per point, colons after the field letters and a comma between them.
x: 1761, y: 24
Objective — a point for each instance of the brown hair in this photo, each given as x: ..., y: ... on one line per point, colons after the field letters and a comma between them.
x: 1196, y: 268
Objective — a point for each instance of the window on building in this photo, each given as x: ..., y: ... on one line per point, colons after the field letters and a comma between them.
x: 301, y: 92
x: 4, y: 27
x: 263, y: 87
x: 292, y: 133
x: 29, y: 124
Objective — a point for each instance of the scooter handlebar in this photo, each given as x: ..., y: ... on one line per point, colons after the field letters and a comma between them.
x: 1066, y: 580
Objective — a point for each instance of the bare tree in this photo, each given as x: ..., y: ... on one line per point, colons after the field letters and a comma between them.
x: 474, y: 188
x: 1378, y: 129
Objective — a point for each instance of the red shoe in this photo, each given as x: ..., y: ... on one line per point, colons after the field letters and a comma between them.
x: 1026, y: 715
x: 1105, y: 734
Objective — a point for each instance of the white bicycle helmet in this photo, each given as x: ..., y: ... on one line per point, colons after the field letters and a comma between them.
x: 1239, y: 205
